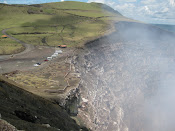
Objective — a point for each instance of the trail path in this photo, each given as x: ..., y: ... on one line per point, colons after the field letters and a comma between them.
x: 28, y: 47
x: 25, y: 59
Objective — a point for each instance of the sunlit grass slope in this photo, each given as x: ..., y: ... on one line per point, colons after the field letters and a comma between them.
x: 51, y: 24
x: 8, y: 46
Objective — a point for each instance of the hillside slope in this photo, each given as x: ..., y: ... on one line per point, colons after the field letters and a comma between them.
x: 29, y: 112
x: 57, y: 23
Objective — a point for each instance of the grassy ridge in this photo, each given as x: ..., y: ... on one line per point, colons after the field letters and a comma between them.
x: 77, y: 5
x: 51, y: 24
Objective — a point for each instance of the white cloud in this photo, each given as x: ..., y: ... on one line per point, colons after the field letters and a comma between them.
x: 98, y: 1
x: 127, y: 0
x: 5, y: 2
x: 172, y: 2
x: 126, y: 9
x: 62, y: 0
x: 147, y: 10
x: 155, y: 11
x: 148, y: 1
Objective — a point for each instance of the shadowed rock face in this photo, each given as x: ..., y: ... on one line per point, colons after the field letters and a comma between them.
x: 127, y: 77
x: 29, y: 112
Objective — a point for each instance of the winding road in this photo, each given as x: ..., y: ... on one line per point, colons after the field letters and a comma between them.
x: 24, y: 60
x: 28, y: 47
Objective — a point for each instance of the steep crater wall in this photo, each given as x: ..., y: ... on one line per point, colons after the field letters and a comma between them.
x: 123, y: 77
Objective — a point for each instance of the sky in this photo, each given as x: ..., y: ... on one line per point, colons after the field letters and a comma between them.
x: 150, y: 11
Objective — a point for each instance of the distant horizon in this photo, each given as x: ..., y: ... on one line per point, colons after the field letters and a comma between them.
x: 157, y: 11
x: 162, y: 24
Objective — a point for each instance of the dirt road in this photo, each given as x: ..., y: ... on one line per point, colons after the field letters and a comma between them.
x: 25, y: 59
x: 28, y: 47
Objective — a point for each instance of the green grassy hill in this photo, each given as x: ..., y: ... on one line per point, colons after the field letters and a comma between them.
x: 29, y: 112
x: 51, y: 24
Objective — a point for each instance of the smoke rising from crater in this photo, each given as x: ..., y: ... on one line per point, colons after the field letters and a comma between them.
x: 129, y: 79
x: 158, y: 108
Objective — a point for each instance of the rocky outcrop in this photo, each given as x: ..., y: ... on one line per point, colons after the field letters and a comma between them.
x: 29, y: 112
x: 5, y: 126
x: 72, y: 102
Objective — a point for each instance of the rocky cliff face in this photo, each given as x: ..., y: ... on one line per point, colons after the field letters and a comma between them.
x: 122, y: 76
x: 29, y: 112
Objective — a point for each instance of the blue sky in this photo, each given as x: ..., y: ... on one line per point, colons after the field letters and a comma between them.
x: 151, y: 11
